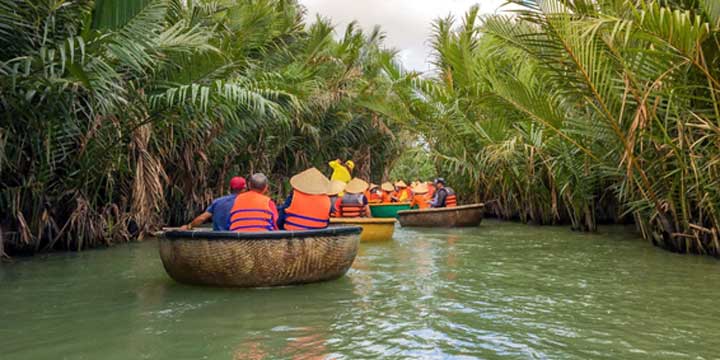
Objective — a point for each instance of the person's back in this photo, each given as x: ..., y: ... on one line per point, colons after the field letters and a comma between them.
x: 354, y: 203
x: 220, y: 210
x: 420, y: 197
x: 252, y: 210
x: 309, y: 206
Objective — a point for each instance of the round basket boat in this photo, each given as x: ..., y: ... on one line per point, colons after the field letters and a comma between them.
x: 374, y: 229
x: 388, y: 210
x: 459, y: 216
x: 230, y: 259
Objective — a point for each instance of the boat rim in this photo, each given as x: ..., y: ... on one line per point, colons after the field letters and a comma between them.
x: 173, y: 234
x: 363, y: 220
x: 445, y: 209
x: 391, y: 204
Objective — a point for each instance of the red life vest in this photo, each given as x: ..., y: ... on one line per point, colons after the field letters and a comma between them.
x: 307, y: 212
x: 352, y: 205
x: 374, y: 196
x: 251, y: 213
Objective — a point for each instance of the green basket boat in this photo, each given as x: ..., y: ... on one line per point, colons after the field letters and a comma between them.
x: 388, y: 210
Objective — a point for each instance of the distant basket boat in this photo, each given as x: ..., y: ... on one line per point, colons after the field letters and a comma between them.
x: 388, y: 210
x: 229, y: 259
x: 459, y: 216
x: 374, y: 229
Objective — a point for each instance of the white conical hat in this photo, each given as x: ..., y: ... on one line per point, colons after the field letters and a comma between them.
x: 336, y: 187
x: 311, y: 182
x: 356, y: 186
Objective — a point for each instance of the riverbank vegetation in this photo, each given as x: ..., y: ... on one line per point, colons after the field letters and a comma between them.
x: 583, y: 112
x: 117, y: 116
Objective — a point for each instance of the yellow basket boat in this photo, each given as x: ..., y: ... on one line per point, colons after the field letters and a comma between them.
x: 374, y: 229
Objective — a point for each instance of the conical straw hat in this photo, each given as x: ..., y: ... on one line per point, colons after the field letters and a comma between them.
x: 401, y: 184
x: 356, y: 186
x: 336, y: 187
x: 311, y: 182
x: 420, y: 188
x: 372, y: 186
x: 387, y: 187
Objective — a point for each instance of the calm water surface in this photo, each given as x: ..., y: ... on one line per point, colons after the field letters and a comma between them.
x: 502, y: 290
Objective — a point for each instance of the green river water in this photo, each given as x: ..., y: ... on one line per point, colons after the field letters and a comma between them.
x: 502, y: 290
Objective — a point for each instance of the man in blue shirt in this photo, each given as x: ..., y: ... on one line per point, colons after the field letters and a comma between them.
x: 219, y: 210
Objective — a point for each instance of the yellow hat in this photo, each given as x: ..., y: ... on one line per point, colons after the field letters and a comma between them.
x: 350, y: 164
x: 387, y: 186
x: 401, y: 184
x: 336, y: 187
x: 420, y: 188
x: 356, y: 186
x: 311, y: 182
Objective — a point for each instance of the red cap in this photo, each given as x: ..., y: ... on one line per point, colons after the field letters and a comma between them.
x: 237, y: 183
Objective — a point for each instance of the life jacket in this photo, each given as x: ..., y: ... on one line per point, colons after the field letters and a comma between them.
x: 374, y: 196
x: 421, y: 200
x: 251, y: 213
x: 451, y: 199
x: 307, y: 212
x: 387, y: 197
x: 352, y: 205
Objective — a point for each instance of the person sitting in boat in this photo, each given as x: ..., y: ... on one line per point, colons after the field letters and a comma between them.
x: 402, y: 192
x: 374, y: 194
x: 336, y: 192
x: 354, y: 203
x: 219, y: 209
x: 388, y: 190
x: 308, y: 206
x: 444, y: 195
x: 420, y: 198
x: 431, y: 190
x: 253, y: 211
x: 342, y: 171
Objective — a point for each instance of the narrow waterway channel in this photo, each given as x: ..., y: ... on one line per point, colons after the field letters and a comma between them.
x: 502, y: 290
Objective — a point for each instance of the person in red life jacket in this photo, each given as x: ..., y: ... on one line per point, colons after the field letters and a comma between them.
x: 354, y: 203
x: 374, y: 194
x: 444, y: 195
x: 336, y: 192
x: 420, y: 198
x: 308, y: 206
x: 219, y: 210
x: 403, y: 193
x: 253, y: 211
x: 388, y: 191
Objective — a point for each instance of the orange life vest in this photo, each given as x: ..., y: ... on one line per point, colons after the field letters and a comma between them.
x: 387, y: 197
x: 451, y: 199
x: 421, y: 201
x: 307, y: 212
x: 374, y: 196
x: 352, y: 205
x: 251, y: 213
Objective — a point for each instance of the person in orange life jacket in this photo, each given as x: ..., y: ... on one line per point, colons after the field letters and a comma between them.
x: 402, y: 194
x: 431, y: 190
x: 336, y: 192
x: 374, y: 194
x: 253, y: 211
x: 387, y: 192
x: 420, y: 198
x: 219, y: 210
x: 308, y: 206
x: 444, y: 195
x: 354, y: 203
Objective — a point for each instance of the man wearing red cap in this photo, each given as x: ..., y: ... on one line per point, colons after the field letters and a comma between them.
x: 219, y: 210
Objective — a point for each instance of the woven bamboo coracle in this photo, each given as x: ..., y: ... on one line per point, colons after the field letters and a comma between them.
x: 229, y: 259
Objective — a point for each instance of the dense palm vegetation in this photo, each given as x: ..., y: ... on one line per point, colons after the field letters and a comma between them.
x: 117, y: 116
x: 583, y: 111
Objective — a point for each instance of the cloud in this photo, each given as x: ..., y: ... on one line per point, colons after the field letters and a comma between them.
x: 407, y: 23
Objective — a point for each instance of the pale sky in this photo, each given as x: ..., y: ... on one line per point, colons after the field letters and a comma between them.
x: 406, y: 23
